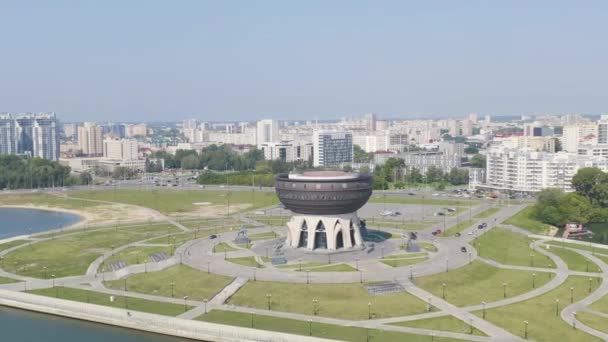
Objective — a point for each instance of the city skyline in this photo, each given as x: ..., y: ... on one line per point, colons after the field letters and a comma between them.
x: 153, y: 61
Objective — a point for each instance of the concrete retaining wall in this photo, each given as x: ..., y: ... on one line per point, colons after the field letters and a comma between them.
x: 196, y: 330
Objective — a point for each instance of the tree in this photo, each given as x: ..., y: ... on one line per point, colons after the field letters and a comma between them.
x: 471, y: 150
x: 190, y: 162
x: 478, y: 160
x: 360, y: 156
x: 433, y: 174
x: 585, y: 179
x: 558, y: 144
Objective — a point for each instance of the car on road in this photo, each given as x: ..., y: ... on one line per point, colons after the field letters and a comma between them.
x: 463, y: 249
x: 457, y: 235
x: 482, y: 226
x: 437, y: 231
x: 212, y: 236
x: 439, y: 213
x: 451, y: 210
x: 435, y: 195
x: 411, y: 193
x: 470, y: 233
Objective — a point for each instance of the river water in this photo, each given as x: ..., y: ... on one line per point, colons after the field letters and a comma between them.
x: 24, y: 326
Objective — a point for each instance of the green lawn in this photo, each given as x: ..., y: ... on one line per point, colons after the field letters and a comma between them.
x: 180, y: 238
x: 4, y: 280
x: 263, y: 236
x: 510, y: 248
x: 327, y: 331
x: 574, y: 260
x: 348, y: 301
x: 592, y: 320
x: 443, y: 323
x: 303, y: 265
x: 332, y: 268
x: 570, y: 244
x: 181, y: 201
x: 478, y: 282
x: 246, y: 261
x: 195, y: 284
x: 600, y: 305
x: 136, y: 255
x: 72, y: 255
x: 402, y: 262
x: 210, y: 223
x: 46, y: 200
x: 269, y: 220
x: 223, y: 247
x: 423, y: 201
x: 523, y: 219
x: 12, y: 244
x: 540, y: 313
x: 487, y: 213
x: 405, y: 255
x: 459, y: 227
x: 120, y: 302
x: 428, y: 246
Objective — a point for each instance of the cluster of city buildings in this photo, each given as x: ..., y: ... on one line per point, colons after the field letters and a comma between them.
x: 523, y: 154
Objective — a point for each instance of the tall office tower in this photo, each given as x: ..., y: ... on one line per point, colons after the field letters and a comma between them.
x: 90, y: 139
x: 602, y: 130
x: 488, y: 120
x: 473, y: 118
x: 370, y: 121
x: 332, y: 148
x: 118, y: 130
x: 7, y: 135
x: 124, y: 149
x: 267, y: 131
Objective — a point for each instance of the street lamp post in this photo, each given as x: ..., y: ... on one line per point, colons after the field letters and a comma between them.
x: 205, y: 302
x: 574, y: 320
x: 310, y: 327
x: 411, y: 272
x: 53, y: 276
x: 590, y: 280
x: 300, y: 264
x: 172, y: 289
x: 504, y: 290
x: 526, y: 330
x: 470, y: 257
x: 369, y: 310
x: 430, y: 306
x: 125, y: 287
x: 315, y: 303
x: 443, y: 290
x: 556, y: 306
x: 307, y: 277
x: 571, y: 295
x: 186, y: 304
x: 208, y: 262
x: 483, y: 314
x: 357, y: 263
x: 446, y: 265
x: 46, y: 275
x: 471, y: 325
x: 252, y: 319
x: 531, y: 260
x: 268, y: 296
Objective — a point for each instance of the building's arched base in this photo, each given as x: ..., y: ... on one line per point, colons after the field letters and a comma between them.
x: 319, y: 232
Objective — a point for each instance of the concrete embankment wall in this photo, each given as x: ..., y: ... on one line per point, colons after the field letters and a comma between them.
x: 196, y: 330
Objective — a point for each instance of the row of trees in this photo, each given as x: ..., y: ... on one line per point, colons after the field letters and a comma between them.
x: 395, y: 171
x: 213, y: 157
x: 589, y: 202
x: 17, y: 173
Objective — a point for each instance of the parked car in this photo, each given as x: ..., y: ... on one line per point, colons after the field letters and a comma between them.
x: 212, y: 236
x: 411, y: 193
x: 451, y: 210
x: 457, y: 235
x: 439, y: 213
x: 437, y: 231
x: 463, y: 249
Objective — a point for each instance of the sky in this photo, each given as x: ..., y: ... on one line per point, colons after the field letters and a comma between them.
x: 246, y: 60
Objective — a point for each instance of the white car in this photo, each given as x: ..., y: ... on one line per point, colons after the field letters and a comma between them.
x: 435, y: 195
x: 470, y: 233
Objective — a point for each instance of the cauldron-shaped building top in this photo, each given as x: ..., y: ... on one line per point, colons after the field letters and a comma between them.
x: 323, y: 192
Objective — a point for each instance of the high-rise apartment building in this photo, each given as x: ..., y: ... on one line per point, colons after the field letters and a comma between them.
x: 370, y: 121
x: 267, y: 131
x: 124, y: 149
x: 90, y: 139
x: 602, y: 130
x: 332, y: 148
x: 35, y: 135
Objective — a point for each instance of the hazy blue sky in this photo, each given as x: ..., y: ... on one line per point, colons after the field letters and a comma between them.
x: 242, y: 60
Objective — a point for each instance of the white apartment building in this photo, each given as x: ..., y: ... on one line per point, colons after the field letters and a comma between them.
x: 287, y: 151
x: 530, y: 171
x: 267, y: 131
x: 124, y: 149
x: 546, y: 144
x: 90, y: 139
x: 248, y: 137
x: 575, y: 135
x: 332, y: 148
